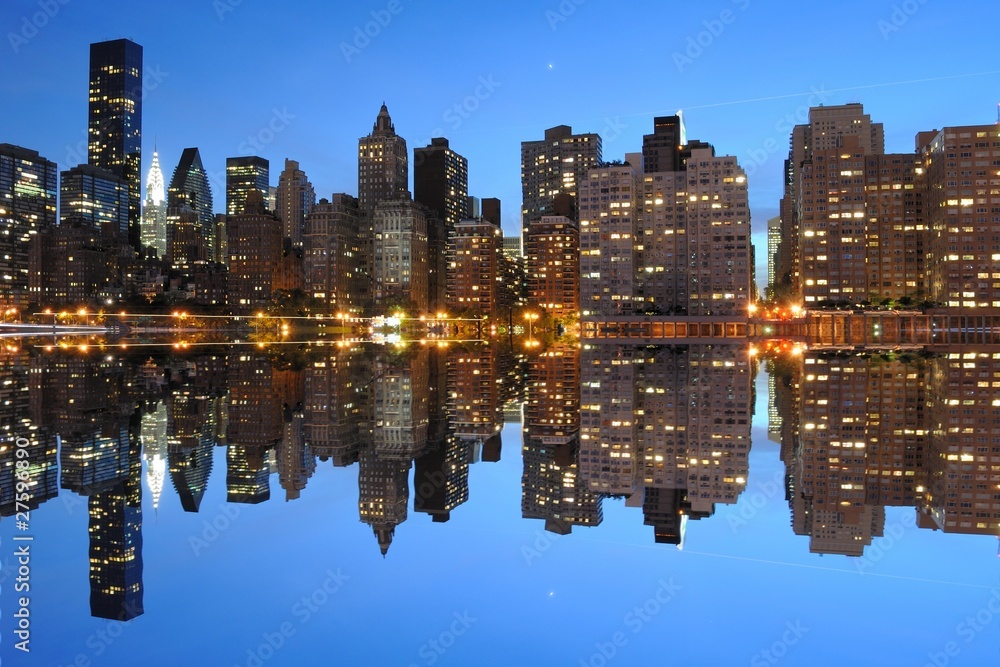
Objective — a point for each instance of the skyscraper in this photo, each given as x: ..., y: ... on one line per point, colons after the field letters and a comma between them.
x: 661, y: 151
x: 294, y: 199
x: 115, y: 119
x: 553, y: 264
x: 255, y: 251
x: 333, y: 255
x: 242, y: 175
x: 154, y: 210
x: 441, y: 181
x: 475, y: 251
x: 189, y: 187
x: 382, y: 164
x: 28, y: 184
x: 554, y: 165
x: 827, y: 130
x: 95, y: 198
x: 399, y: 257
x: 963, y: 214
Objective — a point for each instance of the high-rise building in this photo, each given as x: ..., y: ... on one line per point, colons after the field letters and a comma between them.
x: 28, y: 189
x: 154, y: 210
x: 963, y: 214
x: 491, y: 211
x: 382, y: 164
x: 399, y: 257
x: 255, y: 251
x: 294, y: 200
x: 333, y: 255
x: 553, y: 264
x: 661, y: 151
x: 475, y: 253
x: 609, y: 221
x: 94, y: 198
x: 189, y: 187
x: 242, y: 175
x: 557, y: 164
x: 773, y: 246
x: 441, y: 181
x: 896, y: 233
x: 115, y: 119
x: 826, y: 130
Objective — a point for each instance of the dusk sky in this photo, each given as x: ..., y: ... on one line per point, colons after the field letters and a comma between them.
x: 304, y: 81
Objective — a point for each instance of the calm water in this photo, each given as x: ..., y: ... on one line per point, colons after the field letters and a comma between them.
x: 468, y: 506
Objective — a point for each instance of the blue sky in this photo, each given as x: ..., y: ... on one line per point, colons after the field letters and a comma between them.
x: 304, y: 81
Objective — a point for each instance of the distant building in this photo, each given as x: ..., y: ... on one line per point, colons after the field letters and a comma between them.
x: 255, y: 252
x: 475, y: 253
x: 556, y: 164
x: 399, y: 257
x: 242, y: 175
x: 94, y: 198
x: 334, y: 255
x: 28, y: 189
x: 553, y: 265
x: 153, y: 232
x: 295, y: 198
x: 189, y: 187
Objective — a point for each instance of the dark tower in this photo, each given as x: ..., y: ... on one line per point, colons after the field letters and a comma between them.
x: 115, y: 119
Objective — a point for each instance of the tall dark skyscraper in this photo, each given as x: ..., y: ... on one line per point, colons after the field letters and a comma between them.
x: 28, y: 184
x: 242, y: 175
x: 441, y: 180
x: 661, y: 151
x: 189, y: 187
x: 115, y: 118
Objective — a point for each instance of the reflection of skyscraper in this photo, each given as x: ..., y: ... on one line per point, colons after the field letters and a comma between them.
x: 115, y: 531
x: 383, y: 493
x: 153, y: 436
x: 296, y: 462
x: 42, y: 466
x: 400, y: 406
x: 441, y: 479
x: 247, y: 475
x: 335, y: 406
x: 115, y: 119
x: 190, y: 468
x: 963, y: 456
x: 833, y: 443
x: 472, y: 385
x: 608, y: 447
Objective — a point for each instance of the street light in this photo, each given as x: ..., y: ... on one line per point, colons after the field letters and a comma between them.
x: 531, y: 318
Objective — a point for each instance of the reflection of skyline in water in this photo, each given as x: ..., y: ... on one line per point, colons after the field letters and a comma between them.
x: 666, y: 428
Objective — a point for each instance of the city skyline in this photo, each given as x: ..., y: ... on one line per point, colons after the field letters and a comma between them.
x: 741, y: 117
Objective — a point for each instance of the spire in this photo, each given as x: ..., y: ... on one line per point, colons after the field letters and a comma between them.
x: 383, y: 123
x: 155, y: 190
